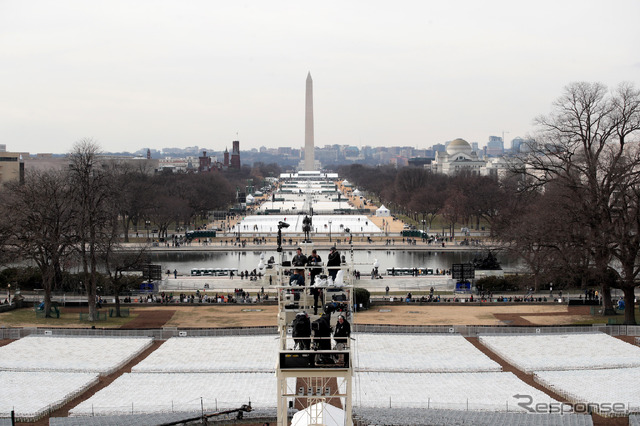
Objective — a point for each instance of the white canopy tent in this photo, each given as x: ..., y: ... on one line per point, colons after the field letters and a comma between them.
x: 319, y: 414
x: 383, y: 211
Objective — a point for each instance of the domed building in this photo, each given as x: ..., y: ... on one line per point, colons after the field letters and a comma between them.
x: 458, y: 157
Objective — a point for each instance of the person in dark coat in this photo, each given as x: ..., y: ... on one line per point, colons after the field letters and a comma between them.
x: 315, y: 263
x: 297, y: 279
x: 299, y: 259
x: 301, y: 331
x: 342, y: 332
x: 322, y: 332
x: 333, y: 263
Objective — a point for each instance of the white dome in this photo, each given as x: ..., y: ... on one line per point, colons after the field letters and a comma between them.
x: 458, y: 146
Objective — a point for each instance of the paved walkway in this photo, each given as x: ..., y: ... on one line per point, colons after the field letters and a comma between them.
x: 396, y: 284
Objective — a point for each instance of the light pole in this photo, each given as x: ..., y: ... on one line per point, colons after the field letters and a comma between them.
x: 9, y: 292
x: 146, y: 225
x: 329, y: 231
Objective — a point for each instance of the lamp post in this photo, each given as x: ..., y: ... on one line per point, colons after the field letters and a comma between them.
x: 9, y: 292
x: 329, y: 231
x: 146, y: 226
x: 423, y: 224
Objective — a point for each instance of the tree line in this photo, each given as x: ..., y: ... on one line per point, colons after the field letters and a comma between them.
x: 568, y: 205
x: 76, y: 217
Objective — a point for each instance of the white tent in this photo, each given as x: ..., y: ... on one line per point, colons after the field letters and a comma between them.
x: 357, y: 193
x: 319, y: 414
x: 383, y: 211
x: 250, y: 199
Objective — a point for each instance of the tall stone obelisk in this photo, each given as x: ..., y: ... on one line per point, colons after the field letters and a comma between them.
x: 309, y: 157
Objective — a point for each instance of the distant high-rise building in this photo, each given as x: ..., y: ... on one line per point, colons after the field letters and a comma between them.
x: 495, y: 146
x: 515, y: 144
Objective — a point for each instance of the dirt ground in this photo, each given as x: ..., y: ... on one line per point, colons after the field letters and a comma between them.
x: 225, y: 316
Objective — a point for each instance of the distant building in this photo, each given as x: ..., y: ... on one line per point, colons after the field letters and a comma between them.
x: 420, y: 161
x: 439, y: 147
x: 458, y: 157
x: 204, y: 162
x: 11, y: 167
x: 516, y: 143
x: 235, y: 156
x: 495, y: 146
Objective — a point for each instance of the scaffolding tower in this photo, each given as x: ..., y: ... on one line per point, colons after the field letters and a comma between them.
x: 311, y: 373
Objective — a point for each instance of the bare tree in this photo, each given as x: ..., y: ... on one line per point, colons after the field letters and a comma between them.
x: 38, y: 220
x: 589, y: 146
x: 94, y: 204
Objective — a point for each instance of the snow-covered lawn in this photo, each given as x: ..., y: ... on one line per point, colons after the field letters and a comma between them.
x: 492, y: 391
x: 102, y: 355
x: 431, y: 353
x: 168, y: 392
x: 34, y: 394
x: 602, y: 387
x: 535, y: 352
x: 212, y: 354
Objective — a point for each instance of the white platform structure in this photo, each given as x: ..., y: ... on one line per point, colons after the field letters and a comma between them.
x: 315, y: 376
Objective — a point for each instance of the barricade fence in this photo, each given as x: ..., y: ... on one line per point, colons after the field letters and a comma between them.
x: 464, y: 330
x: 156, y: 334
x: 477, y: 330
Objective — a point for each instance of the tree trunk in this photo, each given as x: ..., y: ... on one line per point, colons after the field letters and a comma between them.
x: 607, y: 305
x: 117, y: 304
x: 126, y: 222
x: 46, y: 284
x: 629, y: 304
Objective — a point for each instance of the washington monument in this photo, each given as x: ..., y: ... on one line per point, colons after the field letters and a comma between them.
x: 308, y: 127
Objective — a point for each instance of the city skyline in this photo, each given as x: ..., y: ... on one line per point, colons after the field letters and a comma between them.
x: 164, y: 74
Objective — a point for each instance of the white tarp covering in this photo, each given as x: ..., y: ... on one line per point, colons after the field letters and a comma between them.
x: 432, y: 353
x: 212, y: 354
x: 454, y: 391
x: 534, y: 352
x: 34, y: 394
x: 596, y: 387
x: 102, y: 355
x: 167, y: 392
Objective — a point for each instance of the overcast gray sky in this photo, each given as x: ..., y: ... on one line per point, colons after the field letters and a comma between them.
x: 151, y: 73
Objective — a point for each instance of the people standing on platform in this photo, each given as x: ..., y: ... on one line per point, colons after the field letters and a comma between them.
x: 315, y: 263
x: 299, y: 259
x: 333, y: 263
x: 301, y: 331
